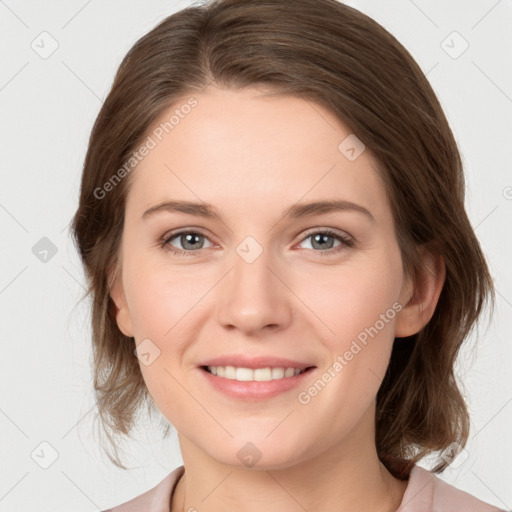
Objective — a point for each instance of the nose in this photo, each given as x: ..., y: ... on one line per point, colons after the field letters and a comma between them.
x: 253, y: 297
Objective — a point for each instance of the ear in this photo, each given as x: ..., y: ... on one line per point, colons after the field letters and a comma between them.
x: 420, y: 296
x: 123, y: 317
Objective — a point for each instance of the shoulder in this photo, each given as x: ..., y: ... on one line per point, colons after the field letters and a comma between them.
x: 157, y: 499
x: 427, y: 493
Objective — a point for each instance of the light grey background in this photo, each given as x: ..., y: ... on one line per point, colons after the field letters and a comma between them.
x: 48, y: 108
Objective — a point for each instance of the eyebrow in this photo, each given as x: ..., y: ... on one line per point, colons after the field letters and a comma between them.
x: 295, y: 211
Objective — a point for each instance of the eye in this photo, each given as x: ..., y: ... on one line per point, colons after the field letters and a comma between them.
x: 320, y: 240
x: 191, y: 241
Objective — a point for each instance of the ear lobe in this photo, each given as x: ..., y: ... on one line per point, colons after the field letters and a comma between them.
x: 421, y: 302
x: 123, y: 317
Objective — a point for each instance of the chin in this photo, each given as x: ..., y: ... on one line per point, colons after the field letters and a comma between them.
x: 262, y: 453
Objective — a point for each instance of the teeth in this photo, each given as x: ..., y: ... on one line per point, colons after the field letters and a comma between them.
x: 248, y: 374
x: 230, y: 372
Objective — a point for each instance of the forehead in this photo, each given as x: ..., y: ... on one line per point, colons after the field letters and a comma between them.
x: 245, y: 150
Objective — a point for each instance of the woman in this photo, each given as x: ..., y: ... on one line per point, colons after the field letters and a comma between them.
x: 272, y: 223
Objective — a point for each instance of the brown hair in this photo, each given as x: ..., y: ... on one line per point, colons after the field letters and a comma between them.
x: 329, y: 53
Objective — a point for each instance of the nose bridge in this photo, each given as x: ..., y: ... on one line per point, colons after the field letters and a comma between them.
x: 253, y: 297
x: 252, y: 285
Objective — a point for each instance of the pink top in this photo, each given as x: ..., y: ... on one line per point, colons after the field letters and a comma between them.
x: 425, y: 492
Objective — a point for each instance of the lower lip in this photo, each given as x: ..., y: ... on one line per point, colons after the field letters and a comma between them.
x: 253, y: 390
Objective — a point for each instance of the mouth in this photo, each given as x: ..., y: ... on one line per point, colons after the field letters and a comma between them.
x: 254, y: 384
x: 264, y: 374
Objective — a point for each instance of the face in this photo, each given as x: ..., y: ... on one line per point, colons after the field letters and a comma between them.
x: 322, y: 288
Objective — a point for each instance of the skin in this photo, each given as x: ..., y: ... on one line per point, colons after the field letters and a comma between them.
x: 252, y: 156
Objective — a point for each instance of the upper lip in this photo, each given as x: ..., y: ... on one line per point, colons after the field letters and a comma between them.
x: 241, y: 361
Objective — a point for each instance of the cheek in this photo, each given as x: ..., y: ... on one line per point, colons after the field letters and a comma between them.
x: 152, y: 307
x: 166, y: 307
x: 352, y: 298
x: 161, y: 305
x: 356, y: 306
x: 160, y: 299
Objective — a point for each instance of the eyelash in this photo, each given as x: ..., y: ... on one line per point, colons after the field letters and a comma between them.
x: 345, y: 242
